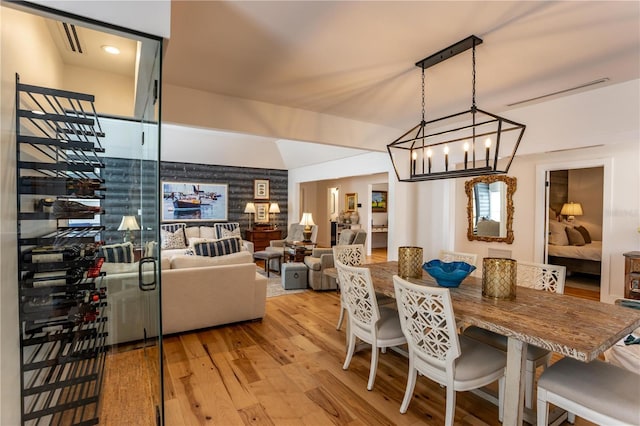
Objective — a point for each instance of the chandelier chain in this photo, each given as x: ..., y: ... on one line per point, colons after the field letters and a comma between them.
x: 473, y: 75
x: 423, y: 89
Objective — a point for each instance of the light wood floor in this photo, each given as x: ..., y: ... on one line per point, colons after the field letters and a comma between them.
x: 283, y: 370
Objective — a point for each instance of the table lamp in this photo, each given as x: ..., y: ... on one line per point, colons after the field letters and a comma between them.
x: 128, y: 225
x: 307, y: 221
x: 571, y: 210
x: 249, y: 209
x: 274, y: 208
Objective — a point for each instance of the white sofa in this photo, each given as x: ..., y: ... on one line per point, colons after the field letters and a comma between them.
x: 197, y: 292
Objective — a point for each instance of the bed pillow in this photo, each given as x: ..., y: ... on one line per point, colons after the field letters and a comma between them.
x: 172, y: 240
x: 585, y: 234
x: 557, y: 234
x: 218, y: 247
x: 574, y: 236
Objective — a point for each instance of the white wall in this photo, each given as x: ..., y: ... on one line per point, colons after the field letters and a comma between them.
x: 585, y: 187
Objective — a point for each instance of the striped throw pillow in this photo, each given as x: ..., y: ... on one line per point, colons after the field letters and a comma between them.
x: 227, y: 226
x: 117, y: 253
x: 218, y: 247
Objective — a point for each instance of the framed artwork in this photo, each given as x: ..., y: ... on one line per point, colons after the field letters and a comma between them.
x: 261, y: 189
x: 350, y: 202
x: 262, y: 212
x: 194, y: 201
x: 379, y: 201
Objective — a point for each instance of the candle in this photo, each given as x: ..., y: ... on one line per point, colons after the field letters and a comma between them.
x: 429, y: 154
x: 414, y: 155
x: 466, y: 154
x: 487, y: 144
x: 446, y: 158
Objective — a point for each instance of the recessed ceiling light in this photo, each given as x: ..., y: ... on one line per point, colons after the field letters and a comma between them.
x: 111, y: 49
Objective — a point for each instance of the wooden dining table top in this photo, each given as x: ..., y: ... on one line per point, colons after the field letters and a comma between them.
x: 578, y: 328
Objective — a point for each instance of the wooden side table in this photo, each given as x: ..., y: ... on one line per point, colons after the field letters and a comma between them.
x: 296, y: 251
x: 632, y: 275
x: 262, y: 237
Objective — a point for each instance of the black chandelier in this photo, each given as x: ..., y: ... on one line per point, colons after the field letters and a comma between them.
x: 468, y: 143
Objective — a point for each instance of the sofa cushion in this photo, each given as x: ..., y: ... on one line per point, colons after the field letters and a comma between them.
x: 117, y: 253
x: 208, y: 232
x: 192, y: 232
x: 119, y: 268
x: 219, y: 247
x: 182, y: 261
x: 173, y: 240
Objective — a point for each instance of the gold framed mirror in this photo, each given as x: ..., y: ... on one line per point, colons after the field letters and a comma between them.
x: 490, y: 208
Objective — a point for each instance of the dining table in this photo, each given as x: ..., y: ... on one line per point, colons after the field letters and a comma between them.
x: 570, y: 326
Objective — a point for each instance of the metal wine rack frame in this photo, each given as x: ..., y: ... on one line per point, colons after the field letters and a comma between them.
x: 62, y: 348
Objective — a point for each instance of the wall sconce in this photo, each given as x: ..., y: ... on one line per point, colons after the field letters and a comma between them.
x: 307, y: 221
x: 128, y: 225
x: 274, y: 208
x: 250, y: 209
x: 476, y: 139
x: 571, y: 210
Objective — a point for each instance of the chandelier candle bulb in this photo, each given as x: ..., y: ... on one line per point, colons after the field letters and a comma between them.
x: 429, y: 154
x: 466, y: 153
x: 446, y: 158
x: 414, y: 156
x: 487, y: 145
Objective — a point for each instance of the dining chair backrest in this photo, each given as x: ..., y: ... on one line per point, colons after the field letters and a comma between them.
x: 428, y: 322
x: 541, y: 276
x: 360, y: 298
x: 456, y: 256
x: 352, y: 255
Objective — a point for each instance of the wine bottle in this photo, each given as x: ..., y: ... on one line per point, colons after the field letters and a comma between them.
x: 60, y: 186
x: 73, y: 209
x: 51, y: 254
x: 54, y: 278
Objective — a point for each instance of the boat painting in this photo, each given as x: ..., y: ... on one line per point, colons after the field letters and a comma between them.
x: 183, y: 201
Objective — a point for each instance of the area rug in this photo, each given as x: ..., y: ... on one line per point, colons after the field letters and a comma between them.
x: 274, y: 285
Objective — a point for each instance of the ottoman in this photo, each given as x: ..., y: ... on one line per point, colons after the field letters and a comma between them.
x: 294, y: 275
x: 267, y: 256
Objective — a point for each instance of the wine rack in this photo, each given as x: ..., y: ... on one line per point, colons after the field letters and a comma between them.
x: 62, y: 301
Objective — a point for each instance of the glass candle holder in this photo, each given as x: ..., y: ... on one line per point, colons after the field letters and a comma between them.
x: 499, y: 278
x: 410, y: 262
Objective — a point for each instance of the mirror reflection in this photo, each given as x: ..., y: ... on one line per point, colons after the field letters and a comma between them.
x: 490, y: 208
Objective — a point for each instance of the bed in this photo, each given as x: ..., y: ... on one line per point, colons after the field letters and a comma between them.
x: 572, y: 247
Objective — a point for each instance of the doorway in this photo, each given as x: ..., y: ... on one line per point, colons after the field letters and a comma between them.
x: 573, y: 217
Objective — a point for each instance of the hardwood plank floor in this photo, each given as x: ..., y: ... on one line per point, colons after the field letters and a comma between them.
x: 283, y: 370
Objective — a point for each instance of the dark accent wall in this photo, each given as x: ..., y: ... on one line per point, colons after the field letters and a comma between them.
x: 129, y: 181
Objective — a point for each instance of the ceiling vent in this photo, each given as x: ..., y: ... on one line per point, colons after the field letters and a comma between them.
x: 72, y: 41
x: 560, y: 92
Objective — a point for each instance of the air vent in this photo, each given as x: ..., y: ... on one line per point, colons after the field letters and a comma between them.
x: 73, y: 42
x: 559, y: 92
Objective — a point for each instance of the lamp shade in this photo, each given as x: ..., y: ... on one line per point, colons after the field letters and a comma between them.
x: 128, y: 223
x: 274, y: 208
x: 307, y: 219
x: 571, y: 209
x: 250, y: 208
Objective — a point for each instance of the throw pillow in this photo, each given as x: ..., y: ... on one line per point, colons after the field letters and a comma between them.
x: 172, y: 240
x: 226, y: 233
x: 585, y: 233
x: 117, y: 253
x: 218, y: 247
x: 229, y: 226
x: 575, y: 237
x: 557, y: 234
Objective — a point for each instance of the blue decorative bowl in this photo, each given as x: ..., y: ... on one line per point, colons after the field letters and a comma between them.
x: 448, y: 274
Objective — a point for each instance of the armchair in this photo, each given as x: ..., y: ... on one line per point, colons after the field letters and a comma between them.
x: 322, y: 258
x: 295, y: 233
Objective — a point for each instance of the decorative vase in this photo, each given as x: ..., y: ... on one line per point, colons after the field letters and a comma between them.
x: 355, y: 217
x: 410, y: 262
x: 499, y: 278
x: 341, y: 216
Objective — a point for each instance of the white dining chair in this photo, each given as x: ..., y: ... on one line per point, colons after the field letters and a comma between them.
x: 438, y: 352
x: 347, y: 254
x: 457, y: 256
x: 596, y: 391
x: 378, y: 326
x: 538, y: 276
